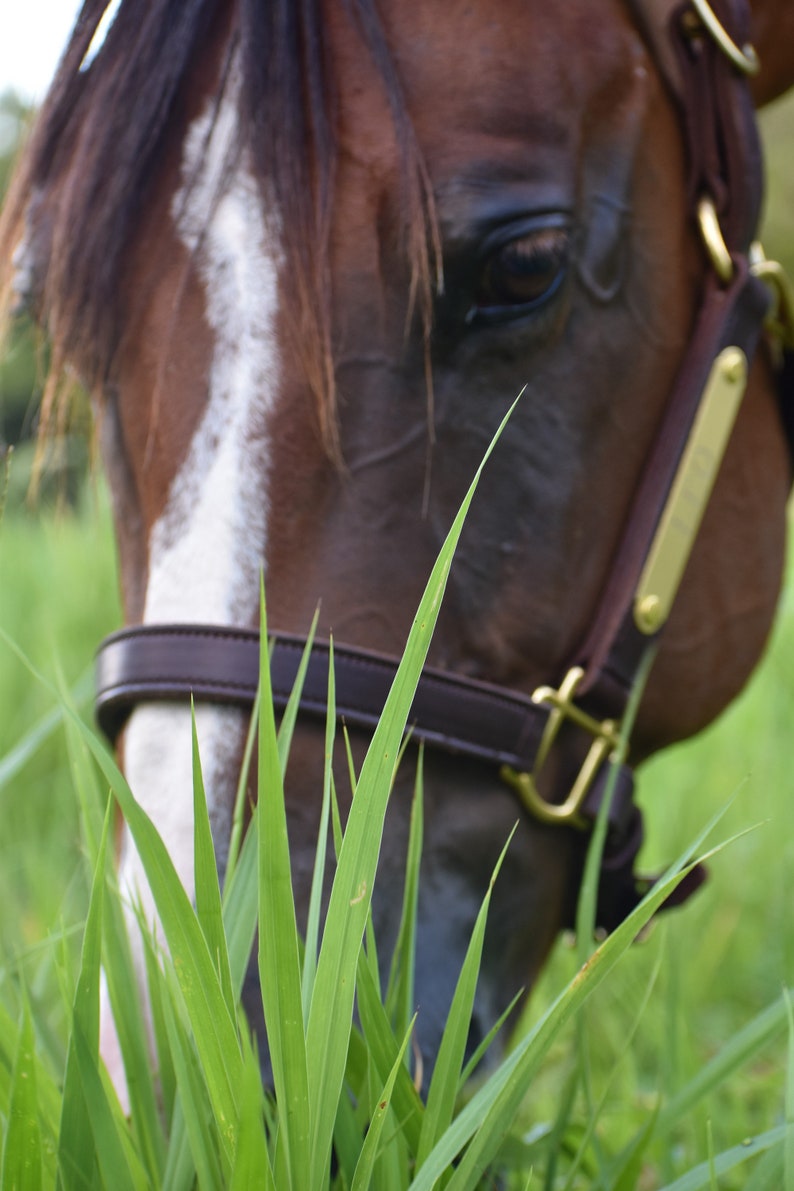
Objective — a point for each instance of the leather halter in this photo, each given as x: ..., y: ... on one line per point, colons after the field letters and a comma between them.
x: 503, y: 728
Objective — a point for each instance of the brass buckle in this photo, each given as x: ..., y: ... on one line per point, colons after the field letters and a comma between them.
x: 605, y: 735
x: 743, y: 57
x: 780, y: 320
x: 779, y: 323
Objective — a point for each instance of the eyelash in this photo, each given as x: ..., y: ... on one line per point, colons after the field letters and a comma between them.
x: 521, y: 270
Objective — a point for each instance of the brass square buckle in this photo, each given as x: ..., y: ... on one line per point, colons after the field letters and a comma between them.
x: 606, y: 736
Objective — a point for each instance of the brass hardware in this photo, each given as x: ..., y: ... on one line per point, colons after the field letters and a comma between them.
x: 743, y: 57
x: 780, y: 320
x: 714, y: 240
x: 606, y: 738
x: 689, y: 495
x: 649, y: 614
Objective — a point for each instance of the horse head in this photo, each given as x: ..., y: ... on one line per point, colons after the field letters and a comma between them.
x: 306, y: 259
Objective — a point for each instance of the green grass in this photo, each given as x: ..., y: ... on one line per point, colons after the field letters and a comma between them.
x: 673, y: 1003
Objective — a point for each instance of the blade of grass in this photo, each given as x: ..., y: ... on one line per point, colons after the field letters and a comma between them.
x: 400, y: 999
x: 626, y: 1173
x: 740, y: 1048
x: 22, y: 1165
x: 241, y: 906
x: 788, y: 1180
x: 238, y: 814
x: 48, y: 1095
x: 208, y: 893
x: 587, y: 905
x: 383, y: 1050
x: 279, y: 951
x: 76, y: 1142
x: 208, y: 1155
x: 630, y: 1157
x: 163, y: 1082
x: 17, y: 758
x: 332, y: 1003
x: 251, y: 1162
x: 491, y: 1110
x: 728, y: 1160
x: 443, y: 1091
x: 213, y: 1028
x: 118, y: 1164
x: 290, y: 716
x: 362, y: 1179
x: 479, y: 1054
x: 119, y: 969
x: 768, y: 1173
x: 123, y: 991
x: 318, y: 876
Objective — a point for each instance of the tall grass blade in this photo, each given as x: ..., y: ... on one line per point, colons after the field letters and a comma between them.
x: 238, y: 814
x: 442, y: 1094
x: 290, y: 716
x: 213, y: 1029
x: 208, y: 893
x: 362, y: 1179
x: 241, y: 905
x: 279, y: 950
x: 626, y: 1175
x: 118, y: 1164
x: 490, y: 1112
x: 25, y: 749
x: 383, y: 1050
x: 123, y: 990
x: 332, y: 1003
x: 251, y: 1162
x: 729, y: 1160
x: 742, y: 1047
x: 318, y: 876
x: 162, y: 1081
x: 400, y: 998
x: 119, y: 969
x: 48, y: 1095
x: 482, y: 1049
x: 788, y: 1180
x: 211, y: 1161
x: 768, y: 1173
x: 630, y: 1157
x: 22, y: 1164
x: 76, y: 1145
x: 586, y: 909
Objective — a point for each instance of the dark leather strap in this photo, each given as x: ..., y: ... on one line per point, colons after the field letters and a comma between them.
x: 611, y: 653
x: 724, y: 164
x: 221, y: 665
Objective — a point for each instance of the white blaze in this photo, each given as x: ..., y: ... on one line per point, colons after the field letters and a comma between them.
x: 206, y: 550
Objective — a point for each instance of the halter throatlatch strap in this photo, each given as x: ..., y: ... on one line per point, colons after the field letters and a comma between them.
x: 704, y: 54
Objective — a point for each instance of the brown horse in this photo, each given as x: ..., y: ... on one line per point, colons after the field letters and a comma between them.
x: 304, y: 256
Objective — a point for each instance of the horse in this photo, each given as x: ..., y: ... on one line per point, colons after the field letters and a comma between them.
x: 304, y: 257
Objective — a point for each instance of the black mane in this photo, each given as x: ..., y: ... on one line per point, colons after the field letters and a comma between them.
x: 100, y: 139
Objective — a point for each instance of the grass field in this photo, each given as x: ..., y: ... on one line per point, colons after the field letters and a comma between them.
x: 678, y: 1000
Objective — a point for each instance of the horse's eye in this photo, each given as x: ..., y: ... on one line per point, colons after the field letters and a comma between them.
x: 521, y: 274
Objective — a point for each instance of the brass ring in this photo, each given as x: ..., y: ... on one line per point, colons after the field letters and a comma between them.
x: 744, y: 57
x: 714, y: 240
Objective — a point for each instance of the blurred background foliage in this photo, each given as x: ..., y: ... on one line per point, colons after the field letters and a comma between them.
x: 23, y: 368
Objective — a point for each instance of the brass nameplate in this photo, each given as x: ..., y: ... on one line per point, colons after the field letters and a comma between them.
x: 689, y: 495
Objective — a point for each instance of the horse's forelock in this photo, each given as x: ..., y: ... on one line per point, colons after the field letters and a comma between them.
x: 98, y: 146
